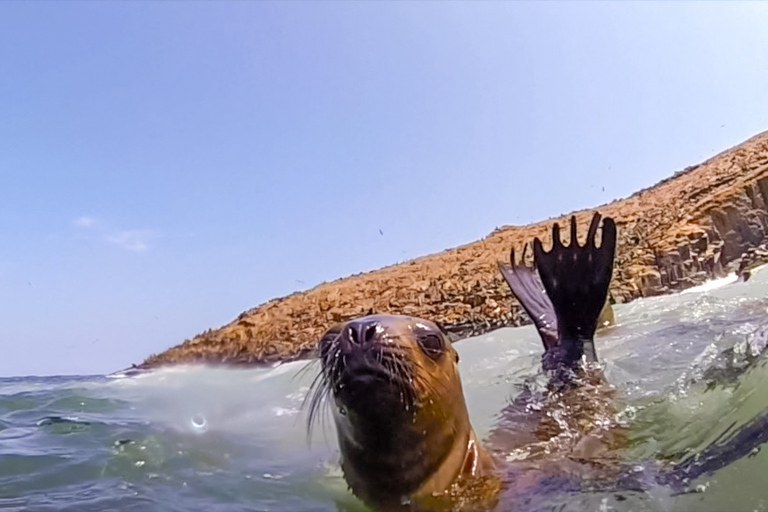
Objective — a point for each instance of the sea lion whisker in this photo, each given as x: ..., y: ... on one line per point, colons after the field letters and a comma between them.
x: 321, y: 386
x: 400, y: 373
x: 319, y: 391
x: 317, y: 388
x: 308, y: 368
x: 397, y: 359
x: 425, y: 384
x: 395, y: 369
x: 407, y: 393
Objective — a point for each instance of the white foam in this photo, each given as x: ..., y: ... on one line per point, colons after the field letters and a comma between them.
x: 713, y: 284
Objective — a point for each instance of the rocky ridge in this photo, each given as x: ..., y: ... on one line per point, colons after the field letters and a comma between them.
x: 703, y: 222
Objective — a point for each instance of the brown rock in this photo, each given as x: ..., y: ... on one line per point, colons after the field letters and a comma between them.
x: 702, y: 222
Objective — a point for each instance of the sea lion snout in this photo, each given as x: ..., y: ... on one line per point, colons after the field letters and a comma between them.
x: 377, y: 334
x: 360, y: 341
x: 365, y: 363
x: 364, y: 352
x: 362, y: 332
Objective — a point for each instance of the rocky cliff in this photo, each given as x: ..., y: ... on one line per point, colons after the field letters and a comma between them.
x: 703, y: 222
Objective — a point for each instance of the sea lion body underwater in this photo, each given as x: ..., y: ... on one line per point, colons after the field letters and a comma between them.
x: 404, y: 433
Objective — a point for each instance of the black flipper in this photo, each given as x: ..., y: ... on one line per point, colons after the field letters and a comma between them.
x: 530, y: 292
x: 576, y: 279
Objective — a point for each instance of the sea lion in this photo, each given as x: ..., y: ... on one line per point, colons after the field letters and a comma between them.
x: 403, y: 429
x: 401, y: 420
x: 404, y: 433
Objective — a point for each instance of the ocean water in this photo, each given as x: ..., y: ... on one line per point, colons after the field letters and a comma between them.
x: 690, y: 370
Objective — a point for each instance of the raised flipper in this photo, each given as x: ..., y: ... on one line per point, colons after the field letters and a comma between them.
x: 530, y: 292
x: 576, y: 279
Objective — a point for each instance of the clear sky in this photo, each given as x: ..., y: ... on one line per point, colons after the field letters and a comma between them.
x: 166, y: 165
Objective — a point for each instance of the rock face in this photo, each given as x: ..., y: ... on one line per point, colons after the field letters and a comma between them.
x: 703, y: 222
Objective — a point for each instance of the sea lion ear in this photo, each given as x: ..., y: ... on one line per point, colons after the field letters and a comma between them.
x: 451, y: 337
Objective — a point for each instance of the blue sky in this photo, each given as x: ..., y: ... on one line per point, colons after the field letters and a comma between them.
x: 165, y: 166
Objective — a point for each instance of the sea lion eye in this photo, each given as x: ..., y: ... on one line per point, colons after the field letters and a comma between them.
x: 432, y: 344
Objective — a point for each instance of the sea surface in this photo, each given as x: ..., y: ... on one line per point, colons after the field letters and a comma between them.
x: 690, y: 370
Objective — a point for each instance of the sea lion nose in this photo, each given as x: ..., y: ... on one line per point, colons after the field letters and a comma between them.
x: 361, y: 333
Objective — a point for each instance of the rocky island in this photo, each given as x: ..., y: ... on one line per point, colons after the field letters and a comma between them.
x: 705, y: 221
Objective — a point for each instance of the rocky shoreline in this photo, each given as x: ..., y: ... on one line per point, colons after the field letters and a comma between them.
x: 704, y: 222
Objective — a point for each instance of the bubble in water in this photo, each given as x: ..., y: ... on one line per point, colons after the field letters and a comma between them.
x: 199, y: 423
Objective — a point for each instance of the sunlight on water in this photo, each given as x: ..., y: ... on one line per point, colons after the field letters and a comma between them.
x: 712, y: 284
x: 689, y: 368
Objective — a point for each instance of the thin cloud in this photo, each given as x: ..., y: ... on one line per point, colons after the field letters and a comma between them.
x: 136, y: 240
x: 84, y: 222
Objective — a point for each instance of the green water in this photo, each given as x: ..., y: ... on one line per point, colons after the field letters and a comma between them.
x: 688, y: 368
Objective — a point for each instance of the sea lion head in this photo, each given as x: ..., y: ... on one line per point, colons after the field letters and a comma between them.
x: 398, y: 406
